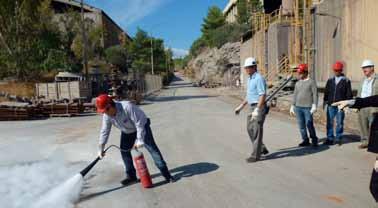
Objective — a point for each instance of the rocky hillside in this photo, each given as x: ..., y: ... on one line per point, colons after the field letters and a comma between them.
x: 218, y: 65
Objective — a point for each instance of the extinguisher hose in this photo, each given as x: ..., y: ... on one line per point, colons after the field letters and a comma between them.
x: 93, y: 163
x: 119, y: 148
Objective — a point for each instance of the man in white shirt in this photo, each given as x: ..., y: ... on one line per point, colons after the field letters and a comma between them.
x: 368, y: 88
x: 135, y: 133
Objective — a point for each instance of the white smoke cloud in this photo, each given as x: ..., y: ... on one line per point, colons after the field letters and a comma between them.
x: 25, y: 184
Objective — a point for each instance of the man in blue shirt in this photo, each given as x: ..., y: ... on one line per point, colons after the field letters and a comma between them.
x: 256, y: 94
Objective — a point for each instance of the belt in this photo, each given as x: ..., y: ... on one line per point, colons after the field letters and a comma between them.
x: 253, y: 104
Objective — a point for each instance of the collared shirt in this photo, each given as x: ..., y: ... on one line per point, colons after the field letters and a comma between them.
x: 367, y: 87
x: 256, y: 87
x: 338, y: 79
x: 129, y: 118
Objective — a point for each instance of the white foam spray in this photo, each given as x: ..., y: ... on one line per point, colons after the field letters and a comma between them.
x: 64, y: 195
x: 45, y: 183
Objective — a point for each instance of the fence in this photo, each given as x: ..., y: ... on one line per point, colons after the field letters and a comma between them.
x: 63, y: 90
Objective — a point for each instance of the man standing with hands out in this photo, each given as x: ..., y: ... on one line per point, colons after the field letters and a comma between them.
x: 304, y: 105
x: 256, y: 95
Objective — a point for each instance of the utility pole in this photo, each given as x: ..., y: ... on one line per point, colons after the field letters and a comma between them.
x: 18, y: 71
x: 84, y: 37
x: 152, y: 56
x: 5, y: 44
x: 304, y: 27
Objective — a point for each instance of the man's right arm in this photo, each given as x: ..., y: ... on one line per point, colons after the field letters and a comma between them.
x: 105, y: 132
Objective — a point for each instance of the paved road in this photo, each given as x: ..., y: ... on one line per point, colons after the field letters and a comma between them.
x: 205, y: 146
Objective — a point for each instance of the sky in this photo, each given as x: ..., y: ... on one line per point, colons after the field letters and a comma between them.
x: 177, y: 22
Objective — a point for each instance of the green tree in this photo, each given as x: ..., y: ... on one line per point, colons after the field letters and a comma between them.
x: 140, y: 52
x: 29, y: 34
x: 212, y: 21
x: 243, y: 11
x: 117, y: 55
x: 94, y: 36
x: 255, y: 6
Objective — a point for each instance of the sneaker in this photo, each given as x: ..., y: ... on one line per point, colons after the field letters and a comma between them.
x: 129, y: 180
x: 251, y: 160
x: 328, y: 142
x: 304, y: 144
x: 315, y: 145
x: 339, y: 142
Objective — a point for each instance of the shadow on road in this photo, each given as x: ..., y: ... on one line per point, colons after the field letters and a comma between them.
x: 178, y: 173
x: 93, y: 195
x: 176, y: 98
x: 188, y: 171
x: 295, y: 152
x: 302, y: 151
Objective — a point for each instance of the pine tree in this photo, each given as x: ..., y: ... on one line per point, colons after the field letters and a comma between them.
x: 214, y: 20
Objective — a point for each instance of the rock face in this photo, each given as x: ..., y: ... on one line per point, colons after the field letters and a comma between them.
x: 218, y: 65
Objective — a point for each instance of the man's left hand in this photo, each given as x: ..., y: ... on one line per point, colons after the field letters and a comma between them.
x: 138, y: 144
x: 313, y: 109
x: 255, y: 114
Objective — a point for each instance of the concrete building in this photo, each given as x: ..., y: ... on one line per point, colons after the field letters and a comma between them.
x: 112, y: 32
x: 230, y: 12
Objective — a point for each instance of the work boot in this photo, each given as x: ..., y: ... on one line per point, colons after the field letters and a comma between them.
x: 129, y: 180
x: 170, y: 179
x: 328, y: 142
x: 305, y: 143
x: 265, y: 151
x: 315, y: 145
x: 362, y: 146
x: 251, y: 160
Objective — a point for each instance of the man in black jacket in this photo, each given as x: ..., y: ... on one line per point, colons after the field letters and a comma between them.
x: 337, y: 88
x: 359, y: 103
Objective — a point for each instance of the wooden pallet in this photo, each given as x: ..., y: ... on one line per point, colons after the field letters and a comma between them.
x: 62, y: 115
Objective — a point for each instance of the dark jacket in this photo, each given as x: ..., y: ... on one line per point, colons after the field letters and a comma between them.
x: 371, y: 101
x: 341, y: 91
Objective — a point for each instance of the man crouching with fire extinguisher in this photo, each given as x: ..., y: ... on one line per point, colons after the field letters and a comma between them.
x: 135, y: 133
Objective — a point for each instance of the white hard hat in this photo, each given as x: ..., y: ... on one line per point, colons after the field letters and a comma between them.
x: 250, y: 62
x: 367, y: 63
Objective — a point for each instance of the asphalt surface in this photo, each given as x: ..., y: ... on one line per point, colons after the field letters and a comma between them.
x: 205, y: 146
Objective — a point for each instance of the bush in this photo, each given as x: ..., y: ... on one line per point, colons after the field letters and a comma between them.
x: 197, y: 47
x: 227, y: 33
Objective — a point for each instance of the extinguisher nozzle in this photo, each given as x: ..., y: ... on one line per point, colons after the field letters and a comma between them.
x: 89, y: 167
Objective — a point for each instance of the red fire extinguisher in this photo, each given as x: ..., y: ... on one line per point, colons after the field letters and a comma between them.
x: 142, y: 169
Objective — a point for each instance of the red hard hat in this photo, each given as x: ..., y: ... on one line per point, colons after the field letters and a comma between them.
x: 302, y: 68
x: 338, y: 66
x: 102, y: 102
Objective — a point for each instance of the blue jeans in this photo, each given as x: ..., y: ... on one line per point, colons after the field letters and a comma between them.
x: 305, y: 122
x: 333, y: 112
x: 127, y: 142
